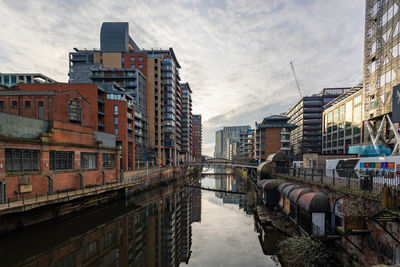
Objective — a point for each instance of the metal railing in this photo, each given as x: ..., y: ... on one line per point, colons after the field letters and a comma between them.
x: 136, y: 181
x: 366, y: 180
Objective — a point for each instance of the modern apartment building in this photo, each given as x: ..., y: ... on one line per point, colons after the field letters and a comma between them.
x: 272, y: 136
x: 381, y: 98
x: 246, y: 145
x: 164, y: 104
x: 115, y: 63
x: 231, y: 140
x: 187, y: 123
x: 11, y: 79
x: 197, y: 138
x: 307, y: 116
x: 219, y: 144
x: 342, y: 122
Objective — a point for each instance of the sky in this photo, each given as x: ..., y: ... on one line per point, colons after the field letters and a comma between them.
x: 235, y: 54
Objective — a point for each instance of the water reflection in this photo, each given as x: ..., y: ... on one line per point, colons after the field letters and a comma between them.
x: 226, y: 235
x: 158, y: 233
x: 170, y: 225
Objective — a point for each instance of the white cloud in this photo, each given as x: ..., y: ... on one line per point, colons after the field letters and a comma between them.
x: 235, y: 54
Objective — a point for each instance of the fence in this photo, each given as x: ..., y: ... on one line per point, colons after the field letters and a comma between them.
x: 367, y: 180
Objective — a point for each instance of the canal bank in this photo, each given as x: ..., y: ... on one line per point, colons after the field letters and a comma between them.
x: 26, y: 212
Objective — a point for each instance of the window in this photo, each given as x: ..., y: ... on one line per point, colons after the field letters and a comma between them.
x: 341, y: 113
x: 89, y: 251
x: 108, y: 160
x: 61, y: 160
x: 140, y: 66
x: 14, y: 105
x: 22, y: 160
x: 40, y: 110
x: 132, y: 58
x: 140, y: 59
x: 115, y: 109
x: 13, y: 80
x: 6, y: 80
x: 116, y: 131
x: 74, y: 111
x: 1, y: 106
x: 66, y: 261
x: 27, y: 104
x: 88, y: 160
x: 132, y: 66
x: 108, y: 239
x: 115, y: 120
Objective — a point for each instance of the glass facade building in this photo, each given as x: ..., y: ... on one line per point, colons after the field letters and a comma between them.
x: 342, y: 122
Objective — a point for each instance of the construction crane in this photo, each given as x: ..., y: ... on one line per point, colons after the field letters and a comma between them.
x: 295, y: 79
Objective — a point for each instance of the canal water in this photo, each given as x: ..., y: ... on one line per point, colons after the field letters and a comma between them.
x: 172, y: 225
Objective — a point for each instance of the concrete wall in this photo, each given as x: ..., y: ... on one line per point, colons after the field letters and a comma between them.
x: 17, y: 126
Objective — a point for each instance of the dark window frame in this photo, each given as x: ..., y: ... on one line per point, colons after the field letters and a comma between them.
x: 61, y: 160
x: 87, y: 159
x: 22, y: 160
x: 108, y: 160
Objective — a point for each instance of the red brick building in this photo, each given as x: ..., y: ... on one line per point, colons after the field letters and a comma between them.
x: 272, y: 136
x: 111, y: 111
x: 49, y: 143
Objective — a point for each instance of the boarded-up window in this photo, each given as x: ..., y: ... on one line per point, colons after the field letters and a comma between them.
x: 74, y: 111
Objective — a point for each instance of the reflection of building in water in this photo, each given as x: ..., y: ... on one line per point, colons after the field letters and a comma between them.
x: 186, y: 225
x: 159, y: 234
x: 196, y: 203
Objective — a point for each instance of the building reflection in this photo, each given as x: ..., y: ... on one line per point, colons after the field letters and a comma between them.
x: 236, y: 184
x: 159, y: 233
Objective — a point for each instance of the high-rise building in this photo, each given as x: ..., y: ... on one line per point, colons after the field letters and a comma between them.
x: 152, y: 78
x: 164, y: 104
x: 107, y: 66
x: 272, y: 136
x: 307, y: 115
x: 187, y: 124
x: 197, y: 138
x: 342, y: 122
x: 381, y: 73
x: 231, y: 140
x: 219, y: 144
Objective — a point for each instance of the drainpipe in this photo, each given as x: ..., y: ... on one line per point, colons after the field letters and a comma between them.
x: 81, y: 176
x: 51, y: 184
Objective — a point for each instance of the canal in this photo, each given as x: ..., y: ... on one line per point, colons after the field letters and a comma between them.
x: 171, y: 225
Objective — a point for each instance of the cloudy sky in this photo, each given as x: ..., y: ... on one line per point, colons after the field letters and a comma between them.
x: 234, y: 53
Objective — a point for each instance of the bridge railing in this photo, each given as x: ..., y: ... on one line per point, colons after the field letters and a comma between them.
x: 366, y: 180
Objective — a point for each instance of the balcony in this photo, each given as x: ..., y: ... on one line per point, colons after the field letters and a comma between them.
x: 130, y: 128
x: 129, y: 115
x: 101, y: 100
